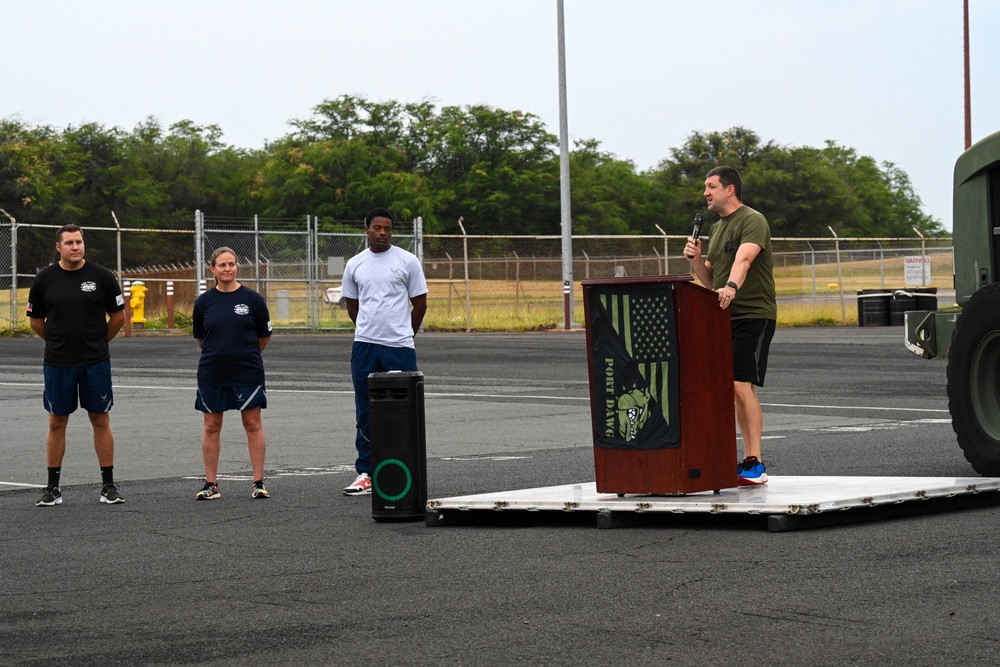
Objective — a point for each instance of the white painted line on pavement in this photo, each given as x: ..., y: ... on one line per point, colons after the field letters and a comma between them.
x: 850, y: 407
x: 347, y: 392
x: 343, y: 392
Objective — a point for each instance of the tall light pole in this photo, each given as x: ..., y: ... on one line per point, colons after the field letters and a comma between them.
x: 968, y: 94
x: 564, y: 200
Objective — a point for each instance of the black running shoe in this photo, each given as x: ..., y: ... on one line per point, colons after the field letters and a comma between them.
x: 110, y: 495
x: 208, y: 492
x: 259, y: 492
x: 51, y: 496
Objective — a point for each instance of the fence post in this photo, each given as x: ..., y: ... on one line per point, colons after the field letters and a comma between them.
x: 118, y: 244
x: 840, y: 277
x: 923, y: 257
x: 14, y: 310
x: 128, y: 308
x: 317, y: 273
x: 517, y: 285
x: 881, y: 264
x: 812, y: 259
x: 256, y: 253
x: 666, y: 251
x: 418, y: 238
x: 199, y: 250
x: 451, y: 284
x: 13, y: 269
x: 310, y: 306
x: 468, y: 291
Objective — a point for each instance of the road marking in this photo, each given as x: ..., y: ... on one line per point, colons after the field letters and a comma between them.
x: 484, y: 458
x: 348, y: 392
x: 884, y: 426
x: 295, y: 472
x: 850, y: 407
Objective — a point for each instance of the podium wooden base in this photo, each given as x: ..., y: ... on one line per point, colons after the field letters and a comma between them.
x: 705, y: 458
x: 661, y: 472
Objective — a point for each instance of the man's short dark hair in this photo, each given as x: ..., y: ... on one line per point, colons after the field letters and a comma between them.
x: 67, y: 229
x: 728, y: 176
x: 378, y: 213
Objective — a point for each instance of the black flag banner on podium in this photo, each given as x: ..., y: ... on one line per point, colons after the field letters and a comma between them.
x: 634, y: 364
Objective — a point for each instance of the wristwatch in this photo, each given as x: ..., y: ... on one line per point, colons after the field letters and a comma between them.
x: 733, y: 285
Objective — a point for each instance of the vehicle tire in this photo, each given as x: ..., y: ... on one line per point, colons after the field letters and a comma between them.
x: 974, y: 380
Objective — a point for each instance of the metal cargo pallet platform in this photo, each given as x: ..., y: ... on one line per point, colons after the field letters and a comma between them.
x: 789, y: 503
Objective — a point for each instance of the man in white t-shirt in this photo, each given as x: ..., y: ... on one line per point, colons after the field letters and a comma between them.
x: 386, y: 295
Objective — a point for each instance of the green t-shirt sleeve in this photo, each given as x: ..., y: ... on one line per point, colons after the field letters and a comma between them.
x: 755, y: 230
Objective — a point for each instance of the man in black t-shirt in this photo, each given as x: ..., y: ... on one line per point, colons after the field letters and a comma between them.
x: 77, y: 306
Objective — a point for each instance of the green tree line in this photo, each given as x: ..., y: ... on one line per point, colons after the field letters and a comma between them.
x: 497, y: 169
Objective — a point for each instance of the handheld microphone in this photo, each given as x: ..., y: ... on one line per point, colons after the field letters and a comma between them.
x: 696, y: 232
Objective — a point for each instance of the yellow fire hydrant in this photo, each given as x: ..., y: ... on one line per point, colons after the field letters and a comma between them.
x: 138, y: 302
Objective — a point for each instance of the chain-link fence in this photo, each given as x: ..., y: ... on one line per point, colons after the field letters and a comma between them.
x: 475, y: 282
x: 8, y: 281
x: 151, y: 255
x: 814, y: 266
x: 486, y: 281
x: 296, y: 268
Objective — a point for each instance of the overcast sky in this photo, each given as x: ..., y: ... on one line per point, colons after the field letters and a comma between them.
x: 882, y: 76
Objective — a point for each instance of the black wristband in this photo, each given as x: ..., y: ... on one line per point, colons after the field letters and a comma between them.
x: 733, y: 285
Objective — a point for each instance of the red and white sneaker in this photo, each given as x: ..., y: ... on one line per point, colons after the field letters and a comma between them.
x: 362, y: 486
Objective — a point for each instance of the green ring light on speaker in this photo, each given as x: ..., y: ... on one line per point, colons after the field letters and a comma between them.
x: 378, y: 489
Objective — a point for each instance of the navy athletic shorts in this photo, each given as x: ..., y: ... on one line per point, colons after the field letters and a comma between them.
x: 751, y: 342
x: 88, y: 387
x: 220, y: 399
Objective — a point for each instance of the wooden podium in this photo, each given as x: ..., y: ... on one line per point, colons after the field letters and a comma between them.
x: 661, y: 386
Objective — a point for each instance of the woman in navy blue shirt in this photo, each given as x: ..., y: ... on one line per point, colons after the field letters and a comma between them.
x: 232, y: 326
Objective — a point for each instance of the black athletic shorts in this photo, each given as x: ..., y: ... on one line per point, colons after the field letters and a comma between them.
x: 220, y: 399
x: 751, y: 341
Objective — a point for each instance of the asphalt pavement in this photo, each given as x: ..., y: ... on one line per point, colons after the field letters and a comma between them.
x: 308, y: 577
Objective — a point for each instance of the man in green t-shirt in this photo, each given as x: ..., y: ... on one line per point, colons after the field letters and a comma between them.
x: 739, y: 267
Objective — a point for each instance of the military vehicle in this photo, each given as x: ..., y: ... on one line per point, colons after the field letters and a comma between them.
x: 967, y: 335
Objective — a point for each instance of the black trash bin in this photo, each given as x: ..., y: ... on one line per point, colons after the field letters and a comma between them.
x: 926, y: 298
x: 902, y: 301
x: 399, y: 447
x: 873, y: 308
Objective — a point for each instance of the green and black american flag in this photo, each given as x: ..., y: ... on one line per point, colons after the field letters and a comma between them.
x: 634, y: 363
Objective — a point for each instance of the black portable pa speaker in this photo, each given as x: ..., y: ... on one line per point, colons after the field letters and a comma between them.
x: 399, y: 447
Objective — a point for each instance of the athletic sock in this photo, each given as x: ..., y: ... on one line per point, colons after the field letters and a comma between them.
x: 54, y: 477
x: 108, y: 474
